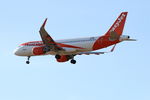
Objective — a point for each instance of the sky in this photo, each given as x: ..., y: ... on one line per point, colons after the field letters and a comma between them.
x: 121, y: 75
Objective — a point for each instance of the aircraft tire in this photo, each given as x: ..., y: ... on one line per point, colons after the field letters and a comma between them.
x: 73, y: 61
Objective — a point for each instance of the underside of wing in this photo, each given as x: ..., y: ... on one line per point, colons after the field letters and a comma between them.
x: 90, y: 53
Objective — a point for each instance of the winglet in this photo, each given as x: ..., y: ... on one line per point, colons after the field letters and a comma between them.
x: 44, y: 23
x: 113, y: 48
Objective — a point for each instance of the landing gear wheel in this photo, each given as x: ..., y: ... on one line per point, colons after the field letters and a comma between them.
x: 27, y: 62
x: 73, y: 61
x: 57, y: 56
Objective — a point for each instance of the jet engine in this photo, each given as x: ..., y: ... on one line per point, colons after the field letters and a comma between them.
x: 38, y: 50
x: 63, y: 58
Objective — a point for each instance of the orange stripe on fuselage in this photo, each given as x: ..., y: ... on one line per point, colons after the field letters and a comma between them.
x: 69, y: 46
x: 40, y: 43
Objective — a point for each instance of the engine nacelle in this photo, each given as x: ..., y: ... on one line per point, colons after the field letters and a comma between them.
x: 63, y: 58
x: 124, y: 37
x: 38, y: 50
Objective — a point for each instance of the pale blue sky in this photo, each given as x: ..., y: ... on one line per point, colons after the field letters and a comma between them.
x: 121, y: 75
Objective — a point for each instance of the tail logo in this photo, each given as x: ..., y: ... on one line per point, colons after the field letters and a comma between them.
x: 118, y: 22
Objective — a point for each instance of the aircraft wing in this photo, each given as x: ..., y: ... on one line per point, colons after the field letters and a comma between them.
x: 47, y: 40
x: 96, y: 53
x: 89, y: 53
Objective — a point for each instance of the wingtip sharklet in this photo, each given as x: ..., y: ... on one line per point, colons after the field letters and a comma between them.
x: 44, y: 23
x: 113, y: 48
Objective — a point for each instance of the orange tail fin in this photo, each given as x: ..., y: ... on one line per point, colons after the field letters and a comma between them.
x: 118, y: 25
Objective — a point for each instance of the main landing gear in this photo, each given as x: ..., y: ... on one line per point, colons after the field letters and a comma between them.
x: 57, y: 56
x: 28, y: 62
x: 73, y: 61
x: 68, y: 57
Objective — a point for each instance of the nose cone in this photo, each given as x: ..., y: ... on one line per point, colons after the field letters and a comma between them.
x: 17, y: 52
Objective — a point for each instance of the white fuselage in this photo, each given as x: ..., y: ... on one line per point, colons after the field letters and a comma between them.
x: 71, y: 46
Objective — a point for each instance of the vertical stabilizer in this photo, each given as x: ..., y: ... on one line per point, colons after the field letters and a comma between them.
x: 118, y: 25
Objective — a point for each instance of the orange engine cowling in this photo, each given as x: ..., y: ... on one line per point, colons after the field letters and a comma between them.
x: 63, y: 58
x: 38, y: 50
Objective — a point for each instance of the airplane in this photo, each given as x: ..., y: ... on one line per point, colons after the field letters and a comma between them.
x: 65, y: 50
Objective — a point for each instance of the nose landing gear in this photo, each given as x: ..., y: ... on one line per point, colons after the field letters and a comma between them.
x: 28, y: 62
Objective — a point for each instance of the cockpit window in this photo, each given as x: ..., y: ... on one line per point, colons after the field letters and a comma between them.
x: 20, y: 46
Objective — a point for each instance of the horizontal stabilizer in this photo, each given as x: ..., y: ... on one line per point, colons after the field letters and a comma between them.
x: 131, y: 40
